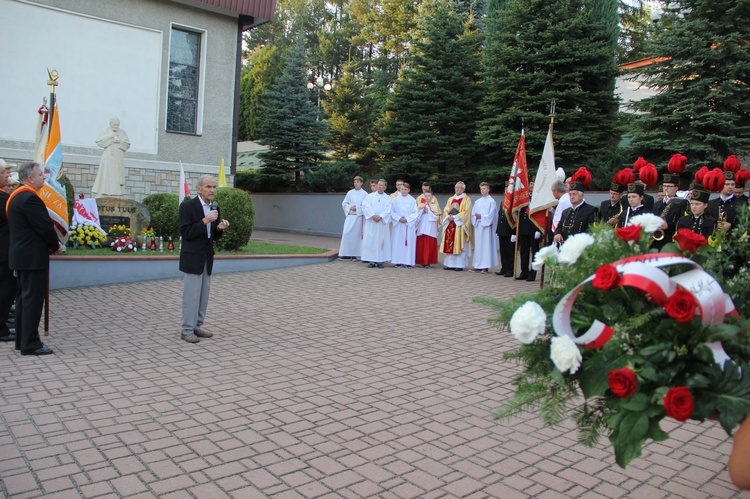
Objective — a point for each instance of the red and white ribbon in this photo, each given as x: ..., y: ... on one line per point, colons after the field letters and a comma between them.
x: 644, y: 273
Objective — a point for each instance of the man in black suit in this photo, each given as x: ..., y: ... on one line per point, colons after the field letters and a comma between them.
x: 7, y: 279
x: 670, y: 209
x: 32, y: 239
x: 199, y: 228
x: 504, y: 232
x: 579, y: 217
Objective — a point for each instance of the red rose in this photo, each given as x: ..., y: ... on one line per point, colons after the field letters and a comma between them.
x: 689, y: 241
x: 629, y: 233
x: 681, y: 306
x: 606, y: 277
x: 622, y: 382
x: 678, y: 402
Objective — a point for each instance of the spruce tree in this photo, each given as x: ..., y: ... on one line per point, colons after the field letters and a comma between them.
x: 264, y: 68
x: 291, y: 127
x: 429, y: 129
x: 702, y: 105
x: 538, y: 51
x: 351, y: 120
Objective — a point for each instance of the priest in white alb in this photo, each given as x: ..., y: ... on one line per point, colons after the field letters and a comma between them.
x: 404, y: 216
x: 458, y: 231
x: 376, y: 245
x: 484, y: 219
x: 352, y: 236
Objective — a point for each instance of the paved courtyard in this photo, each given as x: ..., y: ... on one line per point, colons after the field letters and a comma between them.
x: 330, y: 380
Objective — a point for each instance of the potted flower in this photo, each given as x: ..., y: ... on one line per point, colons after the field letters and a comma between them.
x: 84, y: 235
x: 147, y: 234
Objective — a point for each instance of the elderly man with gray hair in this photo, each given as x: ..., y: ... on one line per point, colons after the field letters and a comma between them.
x: 200, y: 226
x: 458, y: 232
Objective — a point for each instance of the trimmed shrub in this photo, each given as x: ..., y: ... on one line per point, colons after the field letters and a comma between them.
x: 236, y: 206
x: 331, y: 177
x: 164, y: 210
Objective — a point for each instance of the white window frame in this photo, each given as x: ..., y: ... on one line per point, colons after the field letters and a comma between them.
x: 201, y: 78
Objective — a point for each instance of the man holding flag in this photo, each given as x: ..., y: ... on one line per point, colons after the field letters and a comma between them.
x: 32, y: 238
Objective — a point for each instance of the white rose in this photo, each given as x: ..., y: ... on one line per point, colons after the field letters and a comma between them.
x: 573, y: 247
x: 528, y: 322
x: 565, y: 354
x: 544, y: 254
x: 648, y: 221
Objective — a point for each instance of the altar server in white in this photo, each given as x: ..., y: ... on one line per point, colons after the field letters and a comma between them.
x: 404, y: 214
x: 484, y: 218
x: 376, y: 246
x: 351, y: 238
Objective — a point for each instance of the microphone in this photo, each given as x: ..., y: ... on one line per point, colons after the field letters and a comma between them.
x: 213, y: 205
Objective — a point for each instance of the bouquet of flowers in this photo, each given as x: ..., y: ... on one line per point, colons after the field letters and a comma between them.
x: 118, y: 230
x: 86, y: 235
x: 124, y: 244
x: 150, y: 232
x: 630, y: 336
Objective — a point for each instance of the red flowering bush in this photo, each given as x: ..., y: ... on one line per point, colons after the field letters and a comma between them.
x: 622, y: 382
x: 629, y: 233
x: 678, y: 403
x: 681, y: 306
x: 606, y: 277
x: 689, y: 241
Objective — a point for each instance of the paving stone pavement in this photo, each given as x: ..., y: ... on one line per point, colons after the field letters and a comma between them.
x: 331, y: 380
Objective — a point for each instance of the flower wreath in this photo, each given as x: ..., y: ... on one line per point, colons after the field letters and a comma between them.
x: 124, y: 243
x: 640, y: 335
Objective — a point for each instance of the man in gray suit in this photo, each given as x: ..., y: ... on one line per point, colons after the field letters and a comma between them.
x: 200, y: 226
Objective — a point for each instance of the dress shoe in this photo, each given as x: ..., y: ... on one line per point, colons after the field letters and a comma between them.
x: 200, y: 333
x: 502, y: 272
x: 522, y: 277
x: 532, y: 277
x: 380, y: 266
x: 458, y: 269
x: 372, y: 265
x: 509, y: 274
x: 8, y: 337
x: 190, y: 338
x: 448, y: 268
x: 39, y: 351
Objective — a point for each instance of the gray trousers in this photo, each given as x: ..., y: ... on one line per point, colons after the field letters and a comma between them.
x: 195, y: 289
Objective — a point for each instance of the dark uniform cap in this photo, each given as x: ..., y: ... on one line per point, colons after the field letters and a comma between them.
x: 637, y: 188
x: 671, y: 178
x: 614, y: 186
x: 576, y: 186
x: 700, y: 194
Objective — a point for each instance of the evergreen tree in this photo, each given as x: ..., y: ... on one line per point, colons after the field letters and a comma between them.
x: 351, y: 121
x: 702, y: 108
x: 538, y: 51
x: 264, y: 69
x: 429, y: 130
x: 291, y: 127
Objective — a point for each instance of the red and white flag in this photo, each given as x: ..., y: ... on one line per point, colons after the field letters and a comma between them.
x: 184, y: 190
x: 517, y: 193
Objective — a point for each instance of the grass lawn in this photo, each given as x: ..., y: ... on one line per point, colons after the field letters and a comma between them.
x: 251, y: 248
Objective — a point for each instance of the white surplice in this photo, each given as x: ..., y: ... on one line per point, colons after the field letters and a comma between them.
x: 376, y: 246
x: 352, y: 236
x: 404, y: 235
x: 427, y: 223
x: 485, y: 239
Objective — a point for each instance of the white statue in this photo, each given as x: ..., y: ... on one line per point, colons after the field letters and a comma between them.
x: 110, y: 179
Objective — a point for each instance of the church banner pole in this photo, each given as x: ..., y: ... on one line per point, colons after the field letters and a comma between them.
x: 52, y: 82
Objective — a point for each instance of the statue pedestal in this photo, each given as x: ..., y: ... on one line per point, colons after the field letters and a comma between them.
x: 119, y: 211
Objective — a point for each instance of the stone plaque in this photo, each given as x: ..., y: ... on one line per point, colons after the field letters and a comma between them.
x: 118, y: 211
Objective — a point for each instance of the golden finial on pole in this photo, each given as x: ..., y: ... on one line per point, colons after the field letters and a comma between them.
x: 54, y: 75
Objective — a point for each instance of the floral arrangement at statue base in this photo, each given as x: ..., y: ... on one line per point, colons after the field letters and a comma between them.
x: 124, y: 244
x: 635, y: 335
x: 84, y: 235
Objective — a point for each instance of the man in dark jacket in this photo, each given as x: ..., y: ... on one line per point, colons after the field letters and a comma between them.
x: 32, y: 239
x: 7, y: 279
x: 199, y: 228
x: 504, y: 233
